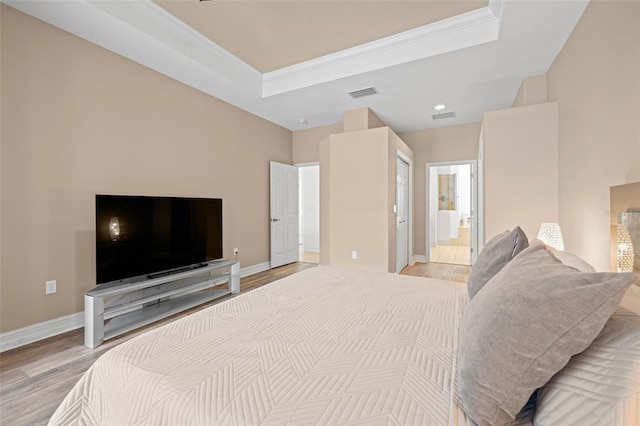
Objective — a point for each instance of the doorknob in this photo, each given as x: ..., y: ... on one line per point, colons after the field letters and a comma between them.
x: 275, y: 219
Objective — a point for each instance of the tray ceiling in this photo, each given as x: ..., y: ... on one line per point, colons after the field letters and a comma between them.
x: 270, y: 57
x: 269, y: 35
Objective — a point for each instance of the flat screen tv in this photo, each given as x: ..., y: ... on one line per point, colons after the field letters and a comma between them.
x: 138, y: 236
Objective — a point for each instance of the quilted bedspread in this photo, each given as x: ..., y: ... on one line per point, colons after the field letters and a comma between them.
x: 324, y: 346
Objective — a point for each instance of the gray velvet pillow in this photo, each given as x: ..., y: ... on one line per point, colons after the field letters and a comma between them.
x: 494, y: 256
x: 523, y: 327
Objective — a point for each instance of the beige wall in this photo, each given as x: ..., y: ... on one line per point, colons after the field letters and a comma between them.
x: 533, y: 90
x: 361, y: 119
x: 374, y: 121
x: 354, y: 198
x: 596, y: 81
x: 356, y: 120
x: 450, y: 143
x: 306, y: 143
x: 79, y: 120
x: 357, y: 194
x: 520, y: 168
x: 342, y: 229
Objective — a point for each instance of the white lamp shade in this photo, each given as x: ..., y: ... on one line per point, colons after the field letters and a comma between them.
x: 551, y: 234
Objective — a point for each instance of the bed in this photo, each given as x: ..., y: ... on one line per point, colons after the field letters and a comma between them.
x: 332, y: 345
x: 326, y: 345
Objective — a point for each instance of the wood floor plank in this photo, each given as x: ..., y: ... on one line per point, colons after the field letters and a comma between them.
x: 35, y: 378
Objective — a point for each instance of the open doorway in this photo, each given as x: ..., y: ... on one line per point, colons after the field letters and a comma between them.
x: 402, y: 209
x: 309, y: 213
x: 451, y: 227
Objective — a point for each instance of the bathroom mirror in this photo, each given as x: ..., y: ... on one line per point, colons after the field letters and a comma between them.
x: 447, y: 192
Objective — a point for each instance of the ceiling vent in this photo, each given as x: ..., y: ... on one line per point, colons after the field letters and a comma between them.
x: 440, y: 116
x: 368, y: 91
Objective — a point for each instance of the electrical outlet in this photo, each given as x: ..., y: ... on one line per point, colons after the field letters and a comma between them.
x: 354, y: 254
x: 50, y: 287
x: 235, y: 251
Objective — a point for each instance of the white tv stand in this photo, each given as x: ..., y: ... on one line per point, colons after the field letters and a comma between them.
x: 116, y: 308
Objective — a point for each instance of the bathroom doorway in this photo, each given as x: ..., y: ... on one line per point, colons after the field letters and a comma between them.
x: 451, y: 206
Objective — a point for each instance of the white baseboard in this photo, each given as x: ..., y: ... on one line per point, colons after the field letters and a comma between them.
x: 32, y: 333
x: 254, y: 269
x: 418, y: 258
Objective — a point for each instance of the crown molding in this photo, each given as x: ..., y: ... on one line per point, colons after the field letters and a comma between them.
x: 458, y: 32
x: 156, y: 22
x: 497, y: 8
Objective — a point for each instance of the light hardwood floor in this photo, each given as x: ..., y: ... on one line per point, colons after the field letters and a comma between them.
x: 35, y: 378
x: 308, y: 256
x: 451, y: 253
x: 443, y: 271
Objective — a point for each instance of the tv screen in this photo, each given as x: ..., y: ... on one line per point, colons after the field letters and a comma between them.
x: 140, y: 235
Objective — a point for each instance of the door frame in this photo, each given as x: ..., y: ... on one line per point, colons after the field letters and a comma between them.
x: 477, y: 214
x: 410, y: 256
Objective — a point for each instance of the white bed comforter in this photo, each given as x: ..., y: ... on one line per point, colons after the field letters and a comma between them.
x: 323, y: 346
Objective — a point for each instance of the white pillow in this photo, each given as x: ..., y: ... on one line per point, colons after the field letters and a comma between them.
x: 631, y: 299
x: 600, y: 386
x: 567, y: 258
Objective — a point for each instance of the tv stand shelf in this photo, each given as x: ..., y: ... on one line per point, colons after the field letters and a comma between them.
x: 117, y: 308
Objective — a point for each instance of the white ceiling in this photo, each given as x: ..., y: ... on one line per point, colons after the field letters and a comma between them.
x: 472, y: 60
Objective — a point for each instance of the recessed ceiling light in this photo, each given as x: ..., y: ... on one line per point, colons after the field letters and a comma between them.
x: 441, y: 106
x: 303, y: 121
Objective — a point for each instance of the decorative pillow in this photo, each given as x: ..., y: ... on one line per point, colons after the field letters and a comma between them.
x: 567, y: 258
x: 523, y: 327
x: 498, y: 252
x: 600, y: 386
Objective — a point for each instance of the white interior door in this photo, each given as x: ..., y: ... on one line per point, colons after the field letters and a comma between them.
x: 402, y: 214
x: 284, y: 214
